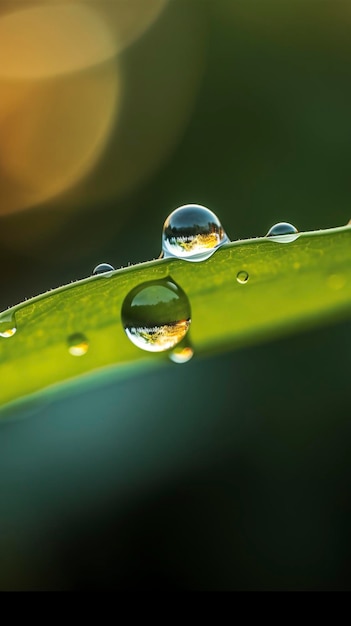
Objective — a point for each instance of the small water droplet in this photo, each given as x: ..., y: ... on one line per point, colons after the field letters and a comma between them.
x: 102, y: 268
x: 193, y: 233
x: 156, y: 315
x: 283, y: 232
x: 8, y: 325
x: 242, y: 277
x: 181, y: 354
x: 77, y: 344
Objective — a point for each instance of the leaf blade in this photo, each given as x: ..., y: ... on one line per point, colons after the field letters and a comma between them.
x: 290, y: 286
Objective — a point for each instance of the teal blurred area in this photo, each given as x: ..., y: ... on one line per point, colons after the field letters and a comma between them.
x: 226, y: 473
x: 231, y: 471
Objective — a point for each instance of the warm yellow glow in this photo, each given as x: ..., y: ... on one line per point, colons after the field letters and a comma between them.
x: 128, y: 19
x: 54, y: 133
x: 47, y: 40
x: 60, y: 97
x: 41, y: 39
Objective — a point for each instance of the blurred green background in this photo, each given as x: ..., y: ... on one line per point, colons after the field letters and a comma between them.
x: 231, y: 471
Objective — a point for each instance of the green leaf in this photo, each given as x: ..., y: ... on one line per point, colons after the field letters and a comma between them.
x: 289, y: 286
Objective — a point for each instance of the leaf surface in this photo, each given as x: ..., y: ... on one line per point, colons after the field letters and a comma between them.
x: 290, y: 286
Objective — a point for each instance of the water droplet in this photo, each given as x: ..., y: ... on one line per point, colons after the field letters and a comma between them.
x: 102, y: 268
x: 283, y: 232
x: 181, y: 354
x: 156, y: 315
x: 242, y: 277
x: 192, y: 233
x: 77, y: 344
x: 8, y: 325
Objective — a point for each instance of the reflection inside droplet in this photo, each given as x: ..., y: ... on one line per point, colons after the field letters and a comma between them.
x: 181, y: 354
x: 77, y: 344
x: 156, y: 315
x: 283, y: 232
x: 193, y: 233
x: 8, y: 325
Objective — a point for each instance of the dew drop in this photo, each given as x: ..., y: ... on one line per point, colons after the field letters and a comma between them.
x: 193, y: 233
x: 77, y: 344
x: 242, y: 277
x: 283, y: 232
x: 102, y: 268
x: 8, y: 325
x: 156, y: 315
x: 181, y: 354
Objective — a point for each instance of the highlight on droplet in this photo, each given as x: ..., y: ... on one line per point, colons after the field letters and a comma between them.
x: 78, y: 344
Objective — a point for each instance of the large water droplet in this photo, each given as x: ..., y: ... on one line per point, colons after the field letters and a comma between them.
x: 283, y: 232
x: 192, y: 233
x: 8, y: 325
x: 77, y: 344
x: 102, y: 268
x: 156, y: 315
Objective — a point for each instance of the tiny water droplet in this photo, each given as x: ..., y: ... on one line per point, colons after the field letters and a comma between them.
x: 156, y: 315
x: 283, y: 232
x: 181, y: 354
x: 242, y: 277
x: 102, y: 268
x: 77, y: 344
x: 193, y: 233
x: 8, y: 325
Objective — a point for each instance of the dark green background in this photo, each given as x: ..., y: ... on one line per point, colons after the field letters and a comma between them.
x: 230, y: 472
